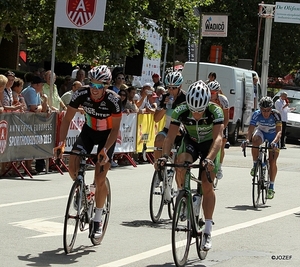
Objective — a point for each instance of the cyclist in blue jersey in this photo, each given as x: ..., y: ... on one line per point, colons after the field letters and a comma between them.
x: 174, y: 97
x: 265, y: 124
x: 203, y: 122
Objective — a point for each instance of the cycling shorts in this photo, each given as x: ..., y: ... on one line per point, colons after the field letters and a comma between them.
x: 264, y: 136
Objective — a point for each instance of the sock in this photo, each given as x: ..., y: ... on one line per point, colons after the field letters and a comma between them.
x: 208, y: 226
x: 220, y: 166
x: 98, y: 215
x: 271, y: 186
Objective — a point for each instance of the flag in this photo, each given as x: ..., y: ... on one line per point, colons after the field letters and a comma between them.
x: 80, y: 14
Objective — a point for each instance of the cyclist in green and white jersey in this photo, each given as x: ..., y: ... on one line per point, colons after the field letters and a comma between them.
x: 204, y: 123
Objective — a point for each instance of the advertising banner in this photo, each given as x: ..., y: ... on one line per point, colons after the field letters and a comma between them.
x: 287, y: 13
x: 214, y: 25
x: 80, y: 14
x: 25, y: 136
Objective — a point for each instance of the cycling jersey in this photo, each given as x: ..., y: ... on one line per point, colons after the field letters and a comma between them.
x: 179, y: 99
x: 222, y: 101
x: 201, y: 130
x: 98, y: 114
x: 267, y: 126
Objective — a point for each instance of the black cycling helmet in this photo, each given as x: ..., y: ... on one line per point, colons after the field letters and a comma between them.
x: 266, y: 102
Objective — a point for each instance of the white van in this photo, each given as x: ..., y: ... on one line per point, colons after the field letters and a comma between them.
x: 293, y: 118
x: 237, y: 86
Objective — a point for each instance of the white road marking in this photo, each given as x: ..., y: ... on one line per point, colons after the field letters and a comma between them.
x: 163, y: 249
x: 31, y: 201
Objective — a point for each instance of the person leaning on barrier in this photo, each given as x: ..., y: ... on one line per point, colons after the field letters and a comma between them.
x: 130, y: 105
x: 3, y: 82
x: 203, y: 123
x: 173, y: 81
x: 265, y: 124
x: 102, y: 123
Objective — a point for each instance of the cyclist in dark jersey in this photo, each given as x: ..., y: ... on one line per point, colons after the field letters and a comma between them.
x: 173, y: 82
x: 102, y: 122
x: 203, y: 123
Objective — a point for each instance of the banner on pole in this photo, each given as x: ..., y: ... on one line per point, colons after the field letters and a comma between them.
x: 214, y: 25
x: 287, y: 12
x: 80, y: 14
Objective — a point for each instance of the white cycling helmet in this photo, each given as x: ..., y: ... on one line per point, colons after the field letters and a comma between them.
x: 174, y: 79
x: 214, y: 86
x: 198, y: 96
x: 100, y: 73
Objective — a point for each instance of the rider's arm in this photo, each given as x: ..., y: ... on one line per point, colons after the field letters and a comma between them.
x: 217, y: 141
x: 159, y: 114
x: 65, y: 123
x: 169, y: 141
x: 250, y: 132
x: 116, y: 120
x: 226, y: 117
x: 278, y: 133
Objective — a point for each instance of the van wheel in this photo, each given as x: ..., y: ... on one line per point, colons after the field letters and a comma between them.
x: 233, y: 138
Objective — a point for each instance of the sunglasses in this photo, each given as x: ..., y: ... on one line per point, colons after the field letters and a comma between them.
x: 98, y: 86
x: 266, y: 110
x: 121, y: 78
x: 196, y: 111
x: 173, y: 87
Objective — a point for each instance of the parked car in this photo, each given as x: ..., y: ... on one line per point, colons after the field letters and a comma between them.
x: 293, y: 122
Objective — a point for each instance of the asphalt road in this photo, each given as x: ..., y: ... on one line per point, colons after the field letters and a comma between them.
x: 32, y: 213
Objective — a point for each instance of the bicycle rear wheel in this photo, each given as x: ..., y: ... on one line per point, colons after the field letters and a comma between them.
x: 105, y: 215
x: 181, y: 229
x: 156, y: 201
x: 72, y: 216
x: 256, y: 185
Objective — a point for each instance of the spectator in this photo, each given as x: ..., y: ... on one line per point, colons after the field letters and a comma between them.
x: 148, y: 104
x: 33, y: 101
x: 74, y: 72
x: 130, y: 105
x: 8, y: 97
x: 157, y: 82
x: 65, y: 87
x: 160, y: 91
x: 3, y: 82
x: 28, y: 78
x: 123, y: 95
x: 80, y: 76
x: 66, y: 97
x: 212, y: 76
x: 16, y: 92
x: 146, y: 89
x: 56, y: 102
x: 118, y: 81
x: 282, y: 105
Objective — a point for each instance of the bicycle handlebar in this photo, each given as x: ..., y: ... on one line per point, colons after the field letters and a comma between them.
x: 186, y: 165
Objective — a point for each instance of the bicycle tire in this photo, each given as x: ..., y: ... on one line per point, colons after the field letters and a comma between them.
x: 266, y: 183
x: 256, y: 185
x: 171, y: 205
x: 156, y: 201
x: 72, y: 216
x: 199, y: 238
x: 105, y: 215
x: 181, y: 230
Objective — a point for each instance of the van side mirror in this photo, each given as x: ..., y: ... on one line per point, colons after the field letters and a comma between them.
x: 232, y: 91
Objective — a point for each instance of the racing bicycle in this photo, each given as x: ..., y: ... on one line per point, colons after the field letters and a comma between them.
x: 188, y: 223
x: 163, y: 188
x: 261, y: 176
x: 81, y: 208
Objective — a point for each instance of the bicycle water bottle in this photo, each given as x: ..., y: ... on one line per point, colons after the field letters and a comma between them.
x: 170, y: 174
x: 170, y: 102
x: 196, y: 204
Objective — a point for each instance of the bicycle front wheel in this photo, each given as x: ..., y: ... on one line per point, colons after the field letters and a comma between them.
x: 199, y: 238
x: 181, y: 229
x: 256, y: 185
x: 265, y: 185
x: 72, y: 216
x: 156, y: 198
x: 171, y: 205
x: 105, y: 215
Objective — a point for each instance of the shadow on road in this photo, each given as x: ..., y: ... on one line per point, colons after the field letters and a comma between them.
x: 162, y: 224
x: 53, y: 257
x: 247, y: 207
